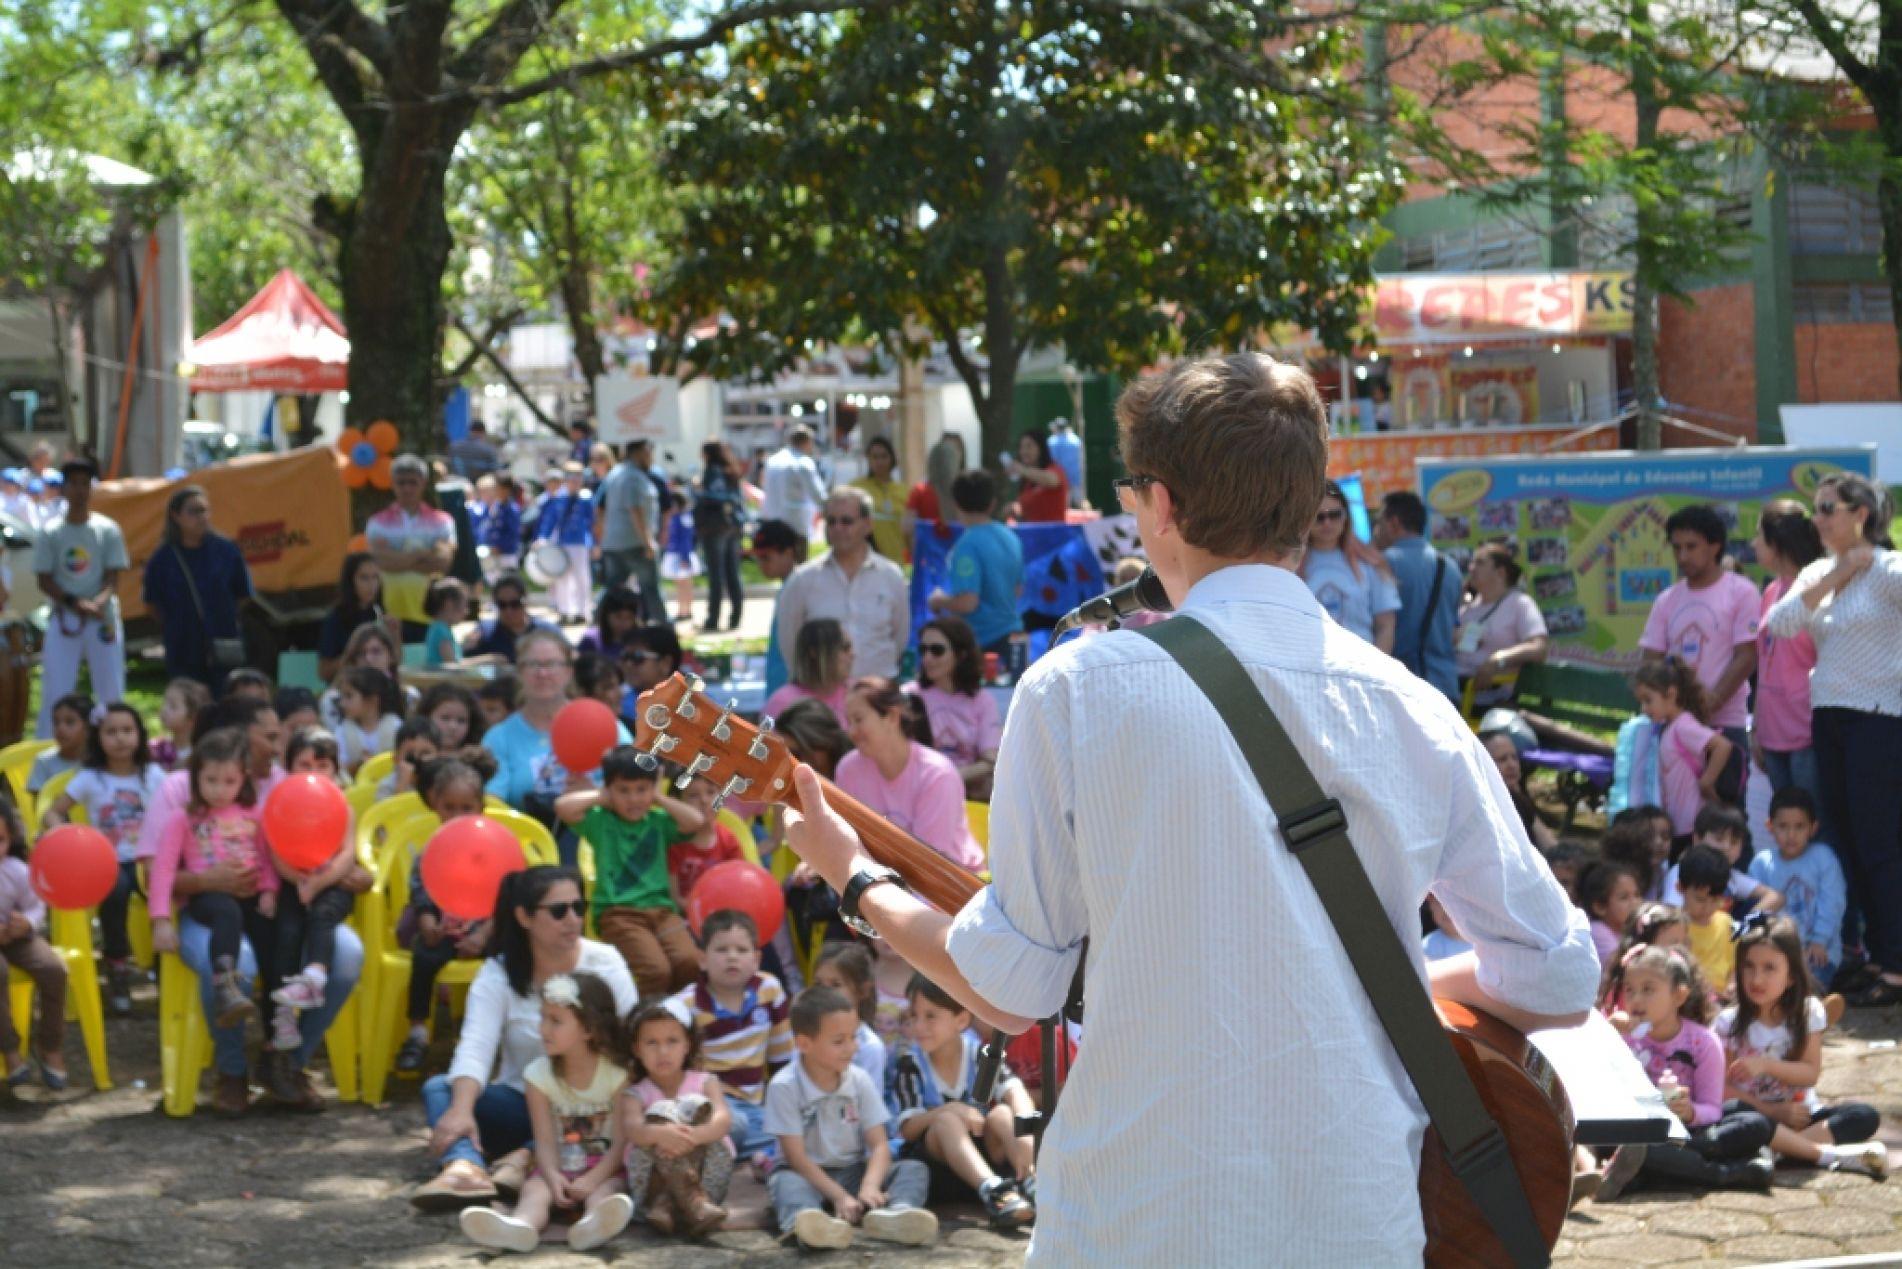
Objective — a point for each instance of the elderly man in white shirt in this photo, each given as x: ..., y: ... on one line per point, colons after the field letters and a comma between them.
x: 1237, y: 1100
x: 792, y: 488
x: 857, y: 587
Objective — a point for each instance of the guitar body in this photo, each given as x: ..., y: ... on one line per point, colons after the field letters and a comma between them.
x: 1515, y: 1083
x: 1524, y: 1097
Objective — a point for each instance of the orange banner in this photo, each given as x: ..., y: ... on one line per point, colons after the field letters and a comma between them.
x: 1385, y: 460
x: 288, y: 513
x: 1441, y: 308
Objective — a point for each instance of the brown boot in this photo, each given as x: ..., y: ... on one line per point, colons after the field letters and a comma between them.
x: 233, y: 1007
x: 231, y: 1097
x: 696, y: 1214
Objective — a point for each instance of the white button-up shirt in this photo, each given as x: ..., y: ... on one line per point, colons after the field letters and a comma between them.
x: 1235, y: 1100
x: 874, y: 606
x: 792, y: 490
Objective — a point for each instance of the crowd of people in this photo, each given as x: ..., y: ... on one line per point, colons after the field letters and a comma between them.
x: 632, y: 1072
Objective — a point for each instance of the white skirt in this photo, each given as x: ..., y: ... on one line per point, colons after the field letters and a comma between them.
x: 674, y: 565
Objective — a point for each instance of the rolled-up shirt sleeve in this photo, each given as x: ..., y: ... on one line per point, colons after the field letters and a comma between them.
x: 1534, y: 947
x: 483, y: 1019
x: 1019, y: 939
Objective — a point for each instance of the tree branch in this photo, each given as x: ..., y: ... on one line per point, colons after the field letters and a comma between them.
x: 508, y: 377
x: 491, y: 57
x: 342, y: 20
x: 713, y: 33
x: 497, y: 325
x: 329, y: 56
x: 1824, y: 29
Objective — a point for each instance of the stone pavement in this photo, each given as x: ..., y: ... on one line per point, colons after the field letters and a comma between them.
x: 90, y: 1179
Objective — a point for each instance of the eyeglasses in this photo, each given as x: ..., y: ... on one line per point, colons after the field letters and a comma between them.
x: 562, y: 911
x: 544, y: 665
x: 640, y: 658
x: 511, y: 603
x: 1324, y: 517
x: 843, y: 520
x: 1130, y: 484
x: 934, y: 649
x: 1827, y: 508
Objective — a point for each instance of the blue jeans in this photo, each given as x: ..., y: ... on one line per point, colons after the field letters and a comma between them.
x: 501, y: 1115
x: 907, y: 1185
x: 749, y: 1135
x: 227, y: 1043
x: 722, y: 553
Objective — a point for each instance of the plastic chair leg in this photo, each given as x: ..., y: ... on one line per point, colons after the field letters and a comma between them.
x: 185, y: 1040
x: 20, y: 1000
x: 82, y: 993
x: 343, y: 1042
x: 138, y: 929
x: 389, y: 1023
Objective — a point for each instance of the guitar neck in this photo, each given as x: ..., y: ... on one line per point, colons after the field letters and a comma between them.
x: 931, y: 876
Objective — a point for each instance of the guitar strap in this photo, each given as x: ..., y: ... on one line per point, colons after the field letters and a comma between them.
x: 1315, y: 828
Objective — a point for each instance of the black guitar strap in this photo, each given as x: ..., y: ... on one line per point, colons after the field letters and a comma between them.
x: 1315, y: 828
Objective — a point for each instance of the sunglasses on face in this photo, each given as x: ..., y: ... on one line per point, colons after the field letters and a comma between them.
x: 562, y: 911
x: 640, y: 658
x: 934, y: 649
x: 1827, y: 508
x: 1324, y: 517
x: 511, y: 603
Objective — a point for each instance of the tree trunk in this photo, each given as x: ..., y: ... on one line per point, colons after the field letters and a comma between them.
x: 1889, y: 204
x: 577, y: 296
x: 1644, y: 296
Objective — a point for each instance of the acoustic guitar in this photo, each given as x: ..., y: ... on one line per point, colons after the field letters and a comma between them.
x: 677, y: 723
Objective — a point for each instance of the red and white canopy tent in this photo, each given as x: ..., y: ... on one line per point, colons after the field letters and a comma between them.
x: 284, y: 340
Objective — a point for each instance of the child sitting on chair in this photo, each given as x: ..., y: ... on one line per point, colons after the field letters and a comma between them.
x: 23, y: 946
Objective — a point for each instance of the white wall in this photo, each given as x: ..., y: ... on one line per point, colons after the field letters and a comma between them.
x: 1593, y: 365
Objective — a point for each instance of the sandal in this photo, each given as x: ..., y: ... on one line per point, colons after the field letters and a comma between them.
x: 460, y: 1184
x: 1880, y: 996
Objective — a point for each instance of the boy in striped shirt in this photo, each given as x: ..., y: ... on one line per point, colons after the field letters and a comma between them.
x: 744, y: 1025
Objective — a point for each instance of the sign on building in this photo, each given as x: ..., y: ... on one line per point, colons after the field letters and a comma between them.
x: 628, y: 408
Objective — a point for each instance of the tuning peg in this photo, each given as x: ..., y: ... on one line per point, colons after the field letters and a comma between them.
x: 701, y: 762
x: 720, y: 731
x: 658, y: 716
x: 732, y: 788
x: 757, y: 750
x: 695, y: 683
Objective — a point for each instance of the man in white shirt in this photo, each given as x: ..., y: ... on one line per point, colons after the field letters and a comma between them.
x: 1239, y: 1099
x: 792, y: 485
x: 855, y: 586
x: 78, y: 558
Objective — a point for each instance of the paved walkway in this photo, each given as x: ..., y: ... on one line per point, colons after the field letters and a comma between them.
x: 89, y: 1179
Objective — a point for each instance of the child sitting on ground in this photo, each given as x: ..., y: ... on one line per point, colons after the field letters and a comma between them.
x: 310, y: 907
x: 631, y: 825
x: 1704, y: 875
x: 847, y: 969
x: 740, y: 1015
x: 1668, y: 1004
x: 830, y: 1122
x: 451, y: 786
x: 676, y: 1124
x: 1655, y: 925
x: 929, y: 1089
x: 1806, y: 873
x: 1608, y: 891
x: 1726, y: 830
x: 574, y: 1093
x: 1632, y: 839
x: 1567, y: 859
x: 23, y: 946
x: 1773, y: 1037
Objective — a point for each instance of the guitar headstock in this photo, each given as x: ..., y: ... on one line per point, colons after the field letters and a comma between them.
x: 677, y: 721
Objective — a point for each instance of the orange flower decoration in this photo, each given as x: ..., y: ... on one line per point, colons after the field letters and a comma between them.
x: 367, y: 453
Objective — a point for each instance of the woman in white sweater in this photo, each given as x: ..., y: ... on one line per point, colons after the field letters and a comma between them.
x: 1851, y: 604
x: 479, y: 1107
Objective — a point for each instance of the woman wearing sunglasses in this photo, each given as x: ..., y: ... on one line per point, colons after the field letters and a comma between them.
x: 1850, y: 603
x: 478, y: 1108
x: 964, y: 724
x: 1349, y: 577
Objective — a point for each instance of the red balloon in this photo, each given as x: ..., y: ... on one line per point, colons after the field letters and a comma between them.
x: 306, y: 819
x: 464, y: 864
x: 74, y: 866
x: 737, y: 884
x: 583, y: 731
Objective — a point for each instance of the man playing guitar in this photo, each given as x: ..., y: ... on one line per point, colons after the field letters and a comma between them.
x: 1235, y: 1099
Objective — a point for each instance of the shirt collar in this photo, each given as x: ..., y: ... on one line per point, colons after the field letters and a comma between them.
x: 1254, y: 584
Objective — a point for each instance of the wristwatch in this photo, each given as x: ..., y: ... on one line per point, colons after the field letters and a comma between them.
x: 862, y: 880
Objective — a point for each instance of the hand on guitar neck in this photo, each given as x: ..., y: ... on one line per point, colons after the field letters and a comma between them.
x: 828, y: 828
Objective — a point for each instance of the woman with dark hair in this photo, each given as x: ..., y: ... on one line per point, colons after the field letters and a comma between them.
x: 964, y: 724
x: 479, y: 1105
x: 1850, y: 603
x: 1780, y: 742
x: 719, y: 514
x: 651, y: 656
x: 194, y: 583
x: 1500, y: 627
x: 891, y: 521
x: 359, y: 602
x: 913, y: 786
x: 617, y: 614
x: 822, y: 664
x: 1044, y: 495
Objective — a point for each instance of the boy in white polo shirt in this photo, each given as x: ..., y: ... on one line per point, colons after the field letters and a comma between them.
x: 830, y: 1121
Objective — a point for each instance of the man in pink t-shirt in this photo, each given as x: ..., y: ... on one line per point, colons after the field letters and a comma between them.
x: 1707, y: 620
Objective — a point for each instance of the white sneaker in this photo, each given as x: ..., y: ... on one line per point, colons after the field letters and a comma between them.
x: 913, y: 1226
x: 489, y: 1228
x: 608, y: 1218
x: 813, y: 1228
x: 299, y: 991
x: 1864, y: 1156
x: 1626, y: 1161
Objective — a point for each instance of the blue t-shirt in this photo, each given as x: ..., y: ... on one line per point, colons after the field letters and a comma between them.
x: 777, y: 671
x: 525, y: 760
x: 218, y: 570
x: 1414, y: 565
x: 1814, y: 893
x: 439, y: 646
x: 1353, y: 601
x: 988, y: 561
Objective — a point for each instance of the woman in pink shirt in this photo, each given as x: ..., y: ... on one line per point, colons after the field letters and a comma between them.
x: 1787, y: 541
x: 822, y: 662
x: 914, y: 787
x: 964, y: 723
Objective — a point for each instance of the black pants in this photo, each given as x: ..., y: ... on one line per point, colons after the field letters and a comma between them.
x: 1711, y: 1159
x: 1849, y: 1122
x: 113, y: 909
x: 722, y: 553
x: 425, y: 964
x: 231, y: 921
x: 1855, y: 763
x: 307, y: 934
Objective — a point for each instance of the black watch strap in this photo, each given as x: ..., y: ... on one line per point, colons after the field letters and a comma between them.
x: 862, y: 880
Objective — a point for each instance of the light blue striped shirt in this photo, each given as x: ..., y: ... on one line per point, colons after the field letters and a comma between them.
x: 1235, y: 1100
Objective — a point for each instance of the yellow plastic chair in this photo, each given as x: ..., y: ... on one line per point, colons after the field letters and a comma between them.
x: 741, y: 829
x: 388, y: 963
x: 1470, y: 711
x: 376, y: 820
x: 49, y: 793
x: 978, y: 816
x: 16, y: 763
x: 375, y: 767
x: 70, y: 933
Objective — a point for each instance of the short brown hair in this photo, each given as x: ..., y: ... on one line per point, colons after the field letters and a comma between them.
x: 1241, y: 443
